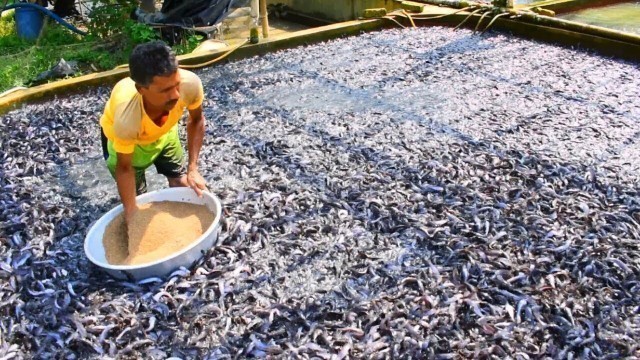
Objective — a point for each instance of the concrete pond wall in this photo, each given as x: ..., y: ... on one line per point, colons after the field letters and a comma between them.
x: 333, y: 10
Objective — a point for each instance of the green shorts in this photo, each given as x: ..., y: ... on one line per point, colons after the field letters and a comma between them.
x: 166, y: 154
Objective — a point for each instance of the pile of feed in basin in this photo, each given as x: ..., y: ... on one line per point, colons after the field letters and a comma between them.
x: 156, y: 231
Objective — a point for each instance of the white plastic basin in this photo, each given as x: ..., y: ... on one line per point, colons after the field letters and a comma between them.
x: 94, y: 248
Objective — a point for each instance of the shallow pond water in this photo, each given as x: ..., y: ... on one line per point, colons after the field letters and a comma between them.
x: 624, y: 16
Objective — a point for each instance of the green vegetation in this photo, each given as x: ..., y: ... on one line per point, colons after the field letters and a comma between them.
x: 112, y: 35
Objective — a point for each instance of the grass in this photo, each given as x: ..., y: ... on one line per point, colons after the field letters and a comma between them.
x: 21, y: 61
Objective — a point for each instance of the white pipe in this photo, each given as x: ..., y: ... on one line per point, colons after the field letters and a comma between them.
x: 255, y: 10
x: 265, y: 18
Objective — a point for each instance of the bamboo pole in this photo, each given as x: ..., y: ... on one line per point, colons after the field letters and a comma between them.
x: 265, y: 18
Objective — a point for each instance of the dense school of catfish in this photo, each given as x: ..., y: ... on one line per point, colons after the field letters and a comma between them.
x: 415, y: 193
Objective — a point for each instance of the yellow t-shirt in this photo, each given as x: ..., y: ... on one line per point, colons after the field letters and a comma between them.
x: 126, y: 124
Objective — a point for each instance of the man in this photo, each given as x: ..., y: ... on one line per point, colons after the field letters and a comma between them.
x: 140, y: 124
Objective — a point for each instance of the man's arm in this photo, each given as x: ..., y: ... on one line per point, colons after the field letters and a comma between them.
x: 126, y: 181
x: 195, y: 136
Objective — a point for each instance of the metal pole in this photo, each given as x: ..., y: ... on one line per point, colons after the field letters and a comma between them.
x: 265, y: 18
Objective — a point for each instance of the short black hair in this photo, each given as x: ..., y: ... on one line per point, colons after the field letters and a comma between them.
x: 151, y: 59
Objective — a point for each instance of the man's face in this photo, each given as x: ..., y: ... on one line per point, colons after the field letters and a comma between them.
x: 163, y: 92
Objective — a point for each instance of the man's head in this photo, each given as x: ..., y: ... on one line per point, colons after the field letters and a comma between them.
x: 154, y: 69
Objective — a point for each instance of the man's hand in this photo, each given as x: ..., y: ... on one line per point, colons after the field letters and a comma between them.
x: 196, y: 182
x: 126, y: 181
x: 129, y: 213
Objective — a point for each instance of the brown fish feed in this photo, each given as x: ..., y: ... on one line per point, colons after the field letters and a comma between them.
x: 157, y: 230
